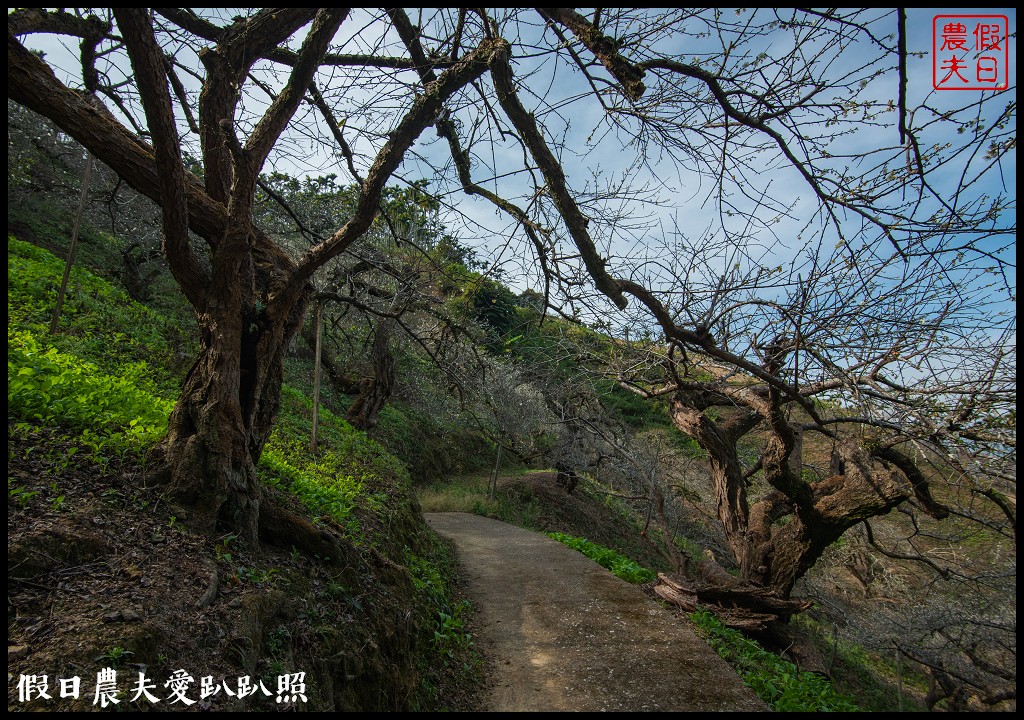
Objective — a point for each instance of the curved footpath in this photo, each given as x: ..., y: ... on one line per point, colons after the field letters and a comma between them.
x: 565, y: 634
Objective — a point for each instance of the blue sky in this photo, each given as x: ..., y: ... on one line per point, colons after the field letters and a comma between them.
x: 673, y: 206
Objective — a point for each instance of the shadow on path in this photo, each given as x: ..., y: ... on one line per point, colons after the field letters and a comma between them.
x: 567, y: 635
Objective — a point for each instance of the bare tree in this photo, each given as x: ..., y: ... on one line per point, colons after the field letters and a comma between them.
x: 697, y: 105
x: 897, y: 369
x: 253, y: 299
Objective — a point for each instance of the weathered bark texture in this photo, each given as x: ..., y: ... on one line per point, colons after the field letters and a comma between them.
x: 779, y: 537
x: 756, y: 611
x: 227, y: 410
x: 374, y: 391
x: 737, y: 603
x: 726, y: 471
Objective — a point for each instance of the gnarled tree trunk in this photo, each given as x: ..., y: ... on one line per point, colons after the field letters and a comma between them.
x: 779, y: 537
x: 226, y: 413
x: 719, y: 441
x: 375, y: 391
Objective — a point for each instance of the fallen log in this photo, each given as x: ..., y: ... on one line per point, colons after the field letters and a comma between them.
x: 740, y: 605
x: 746, y: 607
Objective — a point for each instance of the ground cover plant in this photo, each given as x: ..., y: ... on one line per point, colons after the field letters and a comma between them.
x: 775, y: 680
x: 86, y: 407
x: 620, y: 566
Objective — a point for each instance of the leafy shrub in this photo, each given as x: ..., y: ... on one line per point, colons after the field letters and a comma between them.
x: 776, y: 681
x: 434, y: 591
x: 620, y: 566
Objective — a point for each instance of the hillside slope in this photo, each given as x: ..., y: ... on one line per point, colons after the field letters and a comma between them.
x: 109, y: 584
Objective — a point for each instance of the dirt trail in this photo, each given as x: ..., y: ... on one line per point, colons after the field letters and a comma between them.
x: 567, y: 635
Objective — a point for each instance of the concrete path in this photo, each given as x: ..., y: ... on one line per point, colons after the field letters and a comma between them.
x: 567, y: 635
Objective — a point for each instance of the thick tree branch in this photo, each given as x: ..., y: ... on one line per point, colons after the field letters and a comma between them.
x: 447, y: 129
x: 32, y: 83
x: 422, y: 114
x: 267, y: 132
x: 148, y: 64
x: 605, y: 49
x: 239, y: 46
x: 922, y: 491
x: 557, y: 185
x: 188, y: 20
x: 25, y: 21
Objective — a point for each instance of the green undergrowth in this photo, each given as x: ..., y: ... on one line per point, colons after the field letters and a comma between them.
x: 107, y: 382
x: 447, y: 618
x: 778, y: 682
x: 348, y: 472
x: 619, y: 565
x: 876, y: 682
x: 99, y: 380
x: 99, y: 322
x: 52, y: 388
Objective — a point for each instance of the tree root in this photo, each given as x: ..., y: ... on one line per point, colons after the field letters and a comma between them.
x: 738, y: 604
x: 287, y: 529
x: 211, y: 589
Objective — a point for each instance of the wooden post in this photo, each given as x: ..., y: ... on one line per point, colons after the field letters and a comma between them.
x: 494, y: 475
x: 899, y: 680
x: 74, y: 244
x: 316, y: 375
